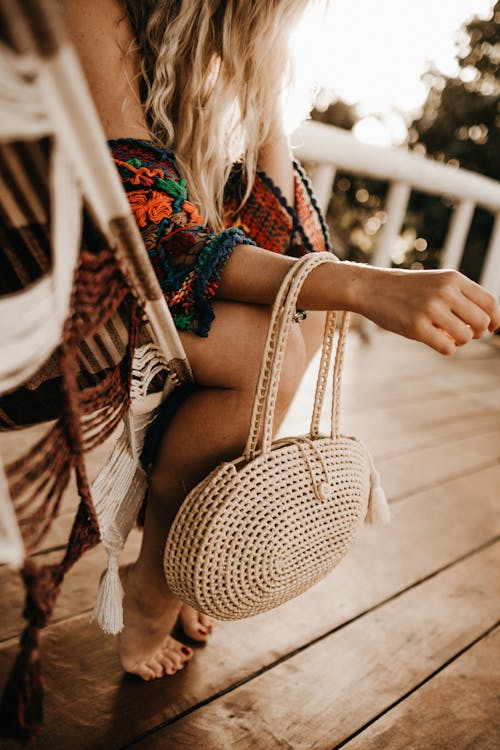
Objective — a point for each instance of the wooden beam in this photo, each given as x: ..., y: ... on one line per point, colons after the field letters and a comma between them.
x: 319, y: 142
x: 322, y: 177
x: 322, y: 695
x: 91, y: 705
x: 490, y: 276
x: 397, y: 202
x: 457, y: 234
x: 457, y: 710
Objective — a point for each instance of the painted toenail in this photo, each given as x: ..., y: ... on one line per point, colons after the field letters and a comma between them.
x: 185, y: 650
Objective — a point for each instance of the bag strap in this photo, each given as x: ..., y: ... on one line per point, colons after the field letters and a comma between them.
x: 283, y: 312
x: 324, y: 369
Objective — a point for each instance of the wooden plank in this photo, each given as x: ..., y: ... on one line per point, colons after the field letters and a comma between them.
x: 78, y: 592
x: 421, y: 521
x: 410, y: 374
x: 394, y: 386
x: 318, y: 697
x: 420, y: 541
x: 456, y: 710
x: 402, y: 475
x: 388, y: 438
x: 491, y: 399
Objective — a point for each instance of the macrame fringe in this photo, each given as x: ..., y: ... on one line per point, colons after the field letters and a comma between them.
x: 379, y: 512
x: 108, y: 610
x: 11, y: 544
x: 21, y: 708
x: 118, y: 492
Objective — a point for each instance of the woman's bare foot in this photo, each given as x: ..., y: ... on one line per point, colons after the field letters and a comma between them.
x: 145, y: 646
x: 195, y: 625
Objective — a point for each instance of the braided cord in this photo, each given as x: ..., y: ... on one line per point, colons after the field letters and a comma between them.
x: 272, y: 362
x: 296, y: 223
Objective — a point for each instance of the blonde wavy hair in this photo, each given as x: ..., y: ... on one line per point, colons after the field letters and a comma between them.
x: 212, y: 73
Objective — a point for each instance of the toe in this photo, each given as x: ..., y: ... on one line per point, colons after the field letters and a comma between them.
x: 145, y: 672
x: 173, y: 659
x: 175, y: 656
x: 205, y: 622
x: 194, y: 624
x: 170, y: 666
x: 184, y: 652
x: 156, y: 666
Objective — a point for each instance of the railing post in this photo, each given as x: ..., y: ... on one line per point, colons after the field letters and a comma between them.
x: 322, y: 179
x: 396, y: 205
x: 457, y: 234
x: 397, y: 202
x: 490, y: 275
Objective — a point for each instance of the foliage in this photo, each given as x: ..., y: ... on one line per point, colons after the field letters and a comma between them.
x: 459, y: 125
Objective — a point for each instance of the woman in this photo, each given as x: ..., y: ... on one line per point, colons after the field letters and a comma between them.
x: 204, y: 77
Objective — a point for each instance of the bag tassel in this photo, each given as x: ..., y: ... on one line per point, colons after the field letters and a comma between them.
x: 379, y: 513
x: 108, y: 611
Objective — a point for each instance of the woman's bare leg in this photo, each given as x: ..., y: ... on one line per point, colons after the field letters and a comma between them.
x: 210, y: 427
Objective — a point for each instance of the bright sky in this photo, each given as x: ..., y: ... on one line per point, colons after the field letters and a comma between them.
x: 374, y: 51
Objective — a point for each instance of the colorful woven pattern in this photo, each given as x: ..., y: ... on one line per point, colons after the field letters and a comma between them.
x: 270, y: 221
x: 188, y: 259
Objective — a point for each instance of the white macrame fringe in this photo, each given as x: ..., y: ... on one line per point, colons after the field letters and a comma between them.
x: 117, y: 493
x: 108, y: 610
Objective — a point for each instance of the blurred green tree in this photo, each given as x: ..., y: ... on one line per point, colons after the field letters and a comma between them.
x: 460, y: 125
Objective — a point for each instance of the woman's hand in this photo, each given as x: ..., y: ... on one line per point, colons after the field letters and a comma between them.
x: 442, y: 309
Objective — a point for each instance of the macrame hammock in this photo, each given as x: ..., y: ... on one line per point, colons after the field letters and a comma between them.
x: 88, y: 348
x: 87, y: 343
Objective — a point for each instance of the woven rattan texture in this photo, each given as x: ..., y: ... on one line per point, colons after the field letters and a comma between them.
x: 257, y: 535
x: 263, y: 528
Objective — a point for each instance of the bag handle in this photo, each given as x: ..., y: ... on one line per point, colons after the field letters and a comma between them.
x: 284, y: 309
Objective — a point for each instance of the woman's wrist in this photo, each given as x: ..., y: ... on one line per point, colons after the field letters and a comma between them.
x: 343, y: 286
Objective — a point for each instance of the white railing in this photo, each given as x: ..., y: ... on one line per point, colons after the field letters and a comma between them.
x: 331, y: 148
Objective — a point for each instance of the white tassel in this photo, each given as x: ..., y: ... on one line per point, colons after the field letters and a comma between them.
x: 378, y: 512
x: 108, y: 611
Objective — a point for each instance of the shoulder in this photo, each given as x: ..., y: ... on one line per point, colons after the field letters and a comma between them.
x: 101, y: 35
x: 95, y: 26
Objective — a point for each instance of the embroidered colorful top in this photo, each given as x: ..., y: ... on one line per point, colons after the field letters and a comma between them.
x: 270, y: 221
x: 187, y: 257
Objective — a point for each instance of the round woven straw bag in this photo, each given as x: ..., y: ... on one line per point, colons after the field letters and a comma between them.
x: 265, y: 527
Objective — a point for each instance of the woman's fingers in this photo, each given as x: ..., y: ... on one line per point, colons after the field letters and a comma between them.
x: 471, y: 323
x: 438, y: 339
x: 486, y: 301
x: 459, y: 332
x: 472, y: 315
x: 462, y: 309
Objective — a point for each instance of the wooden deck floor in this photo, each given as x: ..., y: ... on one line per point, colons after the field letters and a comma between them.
x: 398, y: 648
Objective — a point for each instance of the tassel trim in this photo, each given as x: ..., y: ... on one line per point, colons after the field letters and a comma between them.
x: 378, y: 513
x: 108, y: 611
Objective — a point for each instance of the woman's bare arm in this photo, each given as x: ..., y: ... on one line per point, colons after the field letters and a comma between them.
x: 430, y: 306
x: 440, y: 308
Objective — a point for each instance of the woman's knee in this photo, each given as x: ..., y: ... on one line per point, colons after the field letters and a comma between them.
x: 231, y: 355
